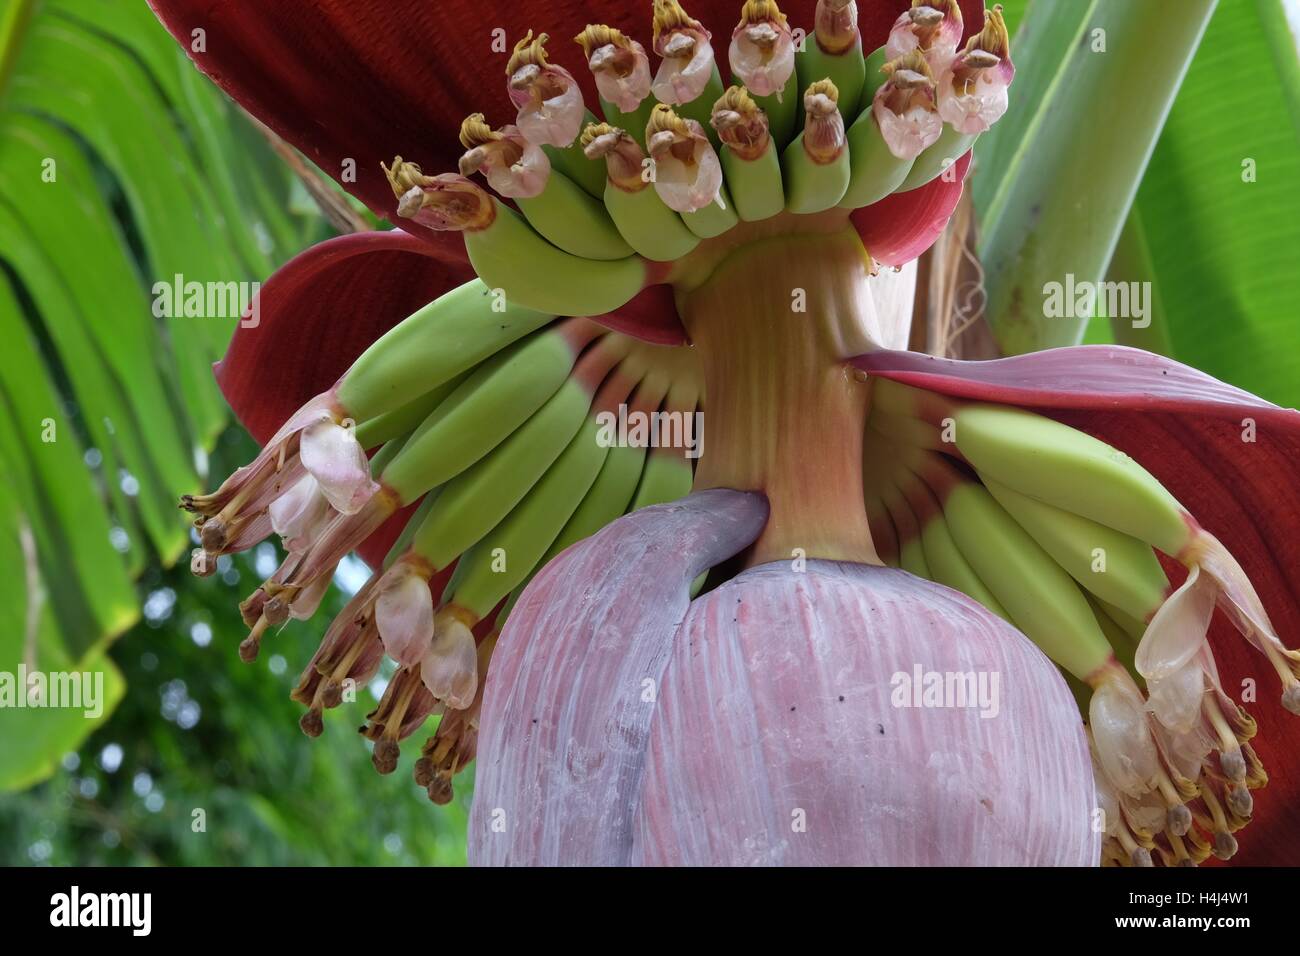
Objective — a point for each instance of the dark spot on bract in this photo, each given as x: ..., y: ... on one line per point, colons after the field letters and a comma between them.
x: 881, y: 728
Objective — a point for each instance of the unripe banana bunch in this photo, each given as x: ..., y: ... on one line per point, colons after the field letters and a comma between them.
x: 1058, y: 533
x: 503, y: 435
x: 606, y: 208
x: 486, y: 415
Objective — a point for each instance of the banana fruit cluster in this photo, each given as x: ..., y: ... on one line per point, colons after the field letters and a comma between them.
x: 493, y: 431
x: 603, y: 208
x: 1058, y: 533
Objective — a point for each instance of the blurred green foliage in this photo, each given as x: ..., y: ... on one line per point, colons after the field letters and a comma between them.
x: 199, y: 731
x: 120, y: 165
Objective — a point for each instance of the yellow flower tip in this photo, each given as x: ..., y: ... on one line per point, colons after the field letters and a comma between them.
x: 761, y: 11
x: 822, y: 88
x: 736, y: 99
x: 475, y: 131
x: 529, y: 51
x: 993, y: 39
x: 595, y: 132
x: 669, y: 15
x: 597, y: 35
x: 403, y: 176
x: 664, y: 120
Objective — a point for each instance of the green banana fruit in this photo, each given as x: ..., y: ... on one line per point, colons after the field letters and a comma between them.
x: 946, y: 150
x: 404, y: 420
x: 1041, y: 599
x: 667, y: 477
x: 846, y: 69
x: 574, y: 165
x: 756, y: 185
x: 651, y: 228
x: 911, y: 552
x: 750, y: 155
x: 492, y: 402
x: 1119, y: 569
x: 479, y: 498
x: 782, y: 112
x: 449, y: 335
x: 701, y: 108
x: 715, y: 218
x: 510, y: 552
x: 648, y: 226
x: 942, y: 556
x: 875, y: 171
x: 507, y: 254
x: 1062, y: 466
x: 816, y: 163
x: 571, y: 219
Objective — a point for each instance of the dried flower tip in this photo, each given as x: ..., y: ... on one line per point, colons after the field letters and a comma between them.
x: 623, y: 155
x: 824, y: 139
x: 1239, y: 800
x: 683, y: 43
x: 932, y: 28
x: 386, y: 755
x: 424, y: 771
x: 740, y: 123
x: 312, y: 723
x: 596, y: 35
x: 212, y: 534
x: 973, y: 90
x: 276, y: 610
x: 993, y: 40
x: 440, y: 790
x: 688, y: 175
x: 669, y: 16
x: 1179, y: 820
x: 821, y: 98
x: 762, y: 48
x: 528, y: 52
x: 599, y: 139
x: 619, y: 65
x: 1225, y: 845
x: 202, y: 563
x: 925, y: 16
x: 513, y: 166
x: 448, y: 202
x: 904, y: 107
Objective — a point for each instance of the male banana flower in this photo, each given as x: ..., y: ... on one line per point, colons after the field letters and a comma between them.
x: 827, y: 635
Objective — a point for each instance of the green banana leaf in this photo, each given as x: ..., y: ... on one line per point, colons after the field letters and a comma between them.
x: 120, y: 167
x: 1210, y: 220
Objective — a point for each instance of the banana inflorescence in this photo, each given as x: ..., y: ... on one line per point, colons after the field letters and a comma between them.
x: 484, y: 420
x: 1058, y: 533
